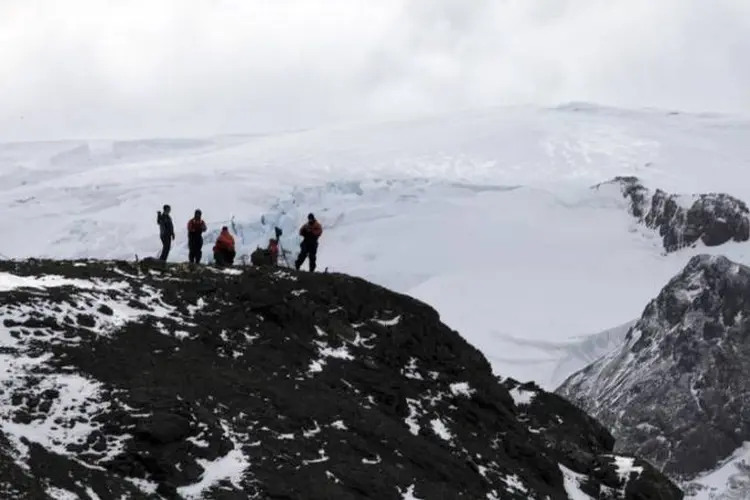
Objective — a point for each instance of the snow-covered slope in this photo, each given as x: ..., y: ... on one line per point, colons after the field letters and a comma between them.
x: 730, y: 480
x: 487, y: 215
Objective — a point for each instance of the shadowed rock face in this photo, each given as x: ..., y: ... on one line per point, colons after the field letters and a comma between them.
x: 682, y: 220
x: 165, y: 382
x: 576, y: 440
x: 677, y: 391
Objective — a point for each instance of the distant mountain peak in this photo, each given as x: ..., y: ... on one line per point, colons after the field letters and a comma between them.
x: 676, y: 391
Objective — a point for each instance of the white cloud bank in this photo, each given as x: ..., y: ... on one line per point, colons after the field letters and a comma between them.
x: 133, y: 68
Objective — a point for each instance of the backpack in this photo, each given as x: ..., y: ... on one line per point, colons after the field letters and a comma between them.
x: 261, y: 257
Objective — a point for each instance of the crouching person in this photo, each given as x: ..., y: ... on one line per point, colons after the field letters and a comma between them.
x: 224, y: 252
x: 273, y: 251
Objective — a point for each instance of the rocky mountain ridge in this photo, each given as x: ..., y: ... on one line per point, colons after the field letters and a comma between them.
x: 146, y: 381
x: 683, y: 220
x: 677, y: 391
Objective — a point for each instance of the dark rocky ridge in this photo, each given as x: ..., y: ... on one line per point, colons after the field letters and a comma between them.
x: 683, y: 220
x: 677, y: 392
x: 563, y: 428
x: 138, y: 379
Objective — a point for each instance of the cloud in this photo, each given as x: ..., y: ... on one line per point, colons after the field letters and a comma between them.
x: 134, y: 68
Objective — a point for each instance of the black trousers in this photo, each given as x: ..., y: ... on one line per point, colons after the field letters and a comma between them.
x: 195, y: 249
x: 224, y: 257
x: 308, y: 250
x: 166, y: 245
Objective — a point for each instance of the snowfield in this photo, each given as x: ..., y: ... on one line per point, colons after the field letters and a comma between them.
x: 488, y: 216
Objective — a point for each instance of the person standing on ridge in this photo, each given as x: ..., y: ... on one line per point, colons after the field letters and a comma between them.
x: 310, y: 233
x: 224, y: 252
x: 195, y: 227
x: 166, y: 231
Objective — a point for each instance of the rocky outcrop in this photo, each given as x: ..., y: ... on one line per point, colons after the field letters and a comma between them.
x: 683, y: 220
x: 145, y: 381
x: 677, y: 391
x: 580, y: 442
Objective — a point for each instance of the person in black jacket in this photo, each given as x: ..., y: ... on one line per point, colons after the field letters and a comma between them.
x: 310, y: 233
x: 166, y: 231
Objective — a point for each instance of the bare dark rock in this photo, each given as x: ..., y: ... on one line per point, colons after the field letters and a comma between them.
x: 684, y: 220
x: 86, y: 320
x: 105, y: 309
x: 163, y: 428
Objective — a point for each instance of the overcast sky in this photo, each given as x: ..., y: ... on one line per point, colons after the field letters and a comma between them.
x: 139, y: 68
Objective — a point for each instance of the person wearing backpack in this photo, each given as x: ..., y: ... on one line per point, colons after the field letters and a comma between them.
x: 195, y: 227
x: 166, y: 231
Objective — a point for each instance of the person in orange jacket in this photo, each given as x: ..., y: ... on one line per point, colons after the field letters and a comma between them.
x: 310, y: 233
x: 196, y: 227
x: 224, y: 251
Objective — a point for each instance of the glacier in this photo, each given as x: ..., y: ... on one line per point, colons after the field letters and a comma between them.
x: 487, y: 215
